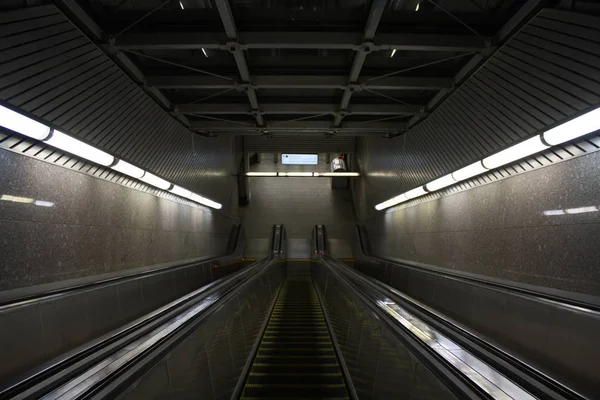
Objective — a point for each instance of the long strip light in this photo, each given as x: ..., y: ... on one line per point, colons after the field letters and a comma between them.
x: 573, y: 129
x: 154, y: 180
x: 71, y: 145
x: 305, y: 174
x: 21, y: 124
x: 26, y: 126
x: 261, y: 173
x: 128, y: 169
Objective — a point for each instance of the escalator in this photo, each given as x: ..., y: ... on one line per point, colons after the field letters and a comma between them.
x: 280, y: 329
x: 296, y: 357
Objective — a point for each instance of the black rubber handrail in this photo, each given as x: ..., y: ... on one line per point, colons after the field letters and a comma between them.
x: 515, y: 369
x: 457, y: 383
x: 514, y: 290
x: 56, y: 372
x: 120, y: 380
x: 57, y: 293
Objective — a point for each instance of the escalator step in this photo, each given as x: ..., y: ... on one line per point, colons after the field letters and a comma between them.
x: 296, y: 358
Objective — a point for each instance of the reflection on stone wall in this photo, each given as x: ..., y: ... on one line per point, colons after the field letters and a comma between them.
x: 78, y: 225
x: 539, y: 227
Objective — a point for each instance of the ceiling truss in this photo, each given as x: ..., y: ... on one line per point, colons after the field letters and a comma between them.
x: 389, y: 116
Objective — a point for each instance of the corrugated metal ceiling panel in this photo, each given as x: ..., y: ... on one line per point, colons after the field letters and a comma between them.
x: 51, y: 70
x: 546, y: 73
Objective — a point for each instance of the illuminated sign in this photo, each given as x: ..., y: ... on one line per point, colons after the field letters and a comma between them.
x: 300, y: 159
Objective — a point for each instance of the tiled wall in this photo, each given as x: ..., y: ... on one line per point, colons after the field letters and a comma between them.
x: 499, y: 229
x: 298, y: 203
x: 94, y: 226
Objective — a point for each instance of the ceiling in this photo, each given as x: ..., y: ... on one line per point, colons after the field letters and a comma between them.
x: 323, y: 67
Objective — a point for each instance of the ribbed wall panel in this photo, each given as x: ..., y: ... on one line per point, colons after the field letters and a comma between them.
x: 49, y: 69
x: 299, y: 144
x: 548, y: 72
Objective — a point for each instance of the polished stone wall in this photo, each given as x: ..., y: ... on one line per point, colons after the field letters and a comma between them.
x: 298, y: 203
x: 86, y: 226
x: 498, y: 230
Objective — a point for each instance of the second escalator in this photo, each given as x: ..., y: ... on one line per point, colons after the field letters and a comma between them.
x: 296, y: 357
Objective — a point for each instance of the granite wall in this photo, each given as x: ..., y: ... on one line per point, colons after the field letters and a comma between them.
x: 82, y: 225
x: 515, y: 229
x: 299, y: 204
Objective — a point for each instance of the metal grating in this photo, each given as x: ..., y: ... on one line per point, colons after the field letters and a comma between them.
x: 52, y: 71
x: 299, y: 144
x: 548, y: 72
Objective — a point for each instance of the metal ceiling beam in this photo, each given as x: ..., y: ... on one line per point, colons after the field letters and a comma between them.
x: 298, y: 109
x: 317, y: 82
x: 375, y: 14
x: 224, y: 9
x: 298, y: 40
x: 301, y: 127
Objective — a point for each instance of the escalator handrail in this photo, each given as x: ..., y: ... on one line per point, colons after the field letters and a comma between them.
x: 461, y: 385
x: 62, y: 292
x: 528, y: 293
x: 135, y: 368
x: 475, y: 344
x: 41, y: 378
x: 128, y: 332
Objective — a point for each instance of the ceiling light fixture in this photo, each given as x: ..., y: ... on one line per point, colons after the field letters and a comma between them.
x: 469, y: 171
x: 440, y: 183
x: 128, y: 169
x: 78, y: 148
x: 154, y: 180
x: 204, y: 52
x: 26, y: 126
x: 418, y: 6
x: 393, y: 52
x: 514, y: 153
x: 338, y: 174
x: 205, y: 201
x: 181, y: 5
x: 179, y: 191
x: 577, y: 127
x: 261, y: 173
x: 21, y: 124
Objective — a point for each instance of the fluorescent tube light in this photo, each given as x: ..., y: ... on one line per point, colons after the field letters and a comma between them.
x: 418, y: 6
x: 128, y: 169
x: 342, y: 174
x: 296, y: 174
x: 391, y: 202
x: 79, y: 149
x: 21, y: 124
x: 261, y: 173
x: 179, y: 191
x: 516, y: 152
x: 204, y: 52
x: 582, y: 125
x: 440, y: 183
x: 469, y: 171
x: 181, y: 5
x: 393, y: 52
x: 417, y: 192
x: 205, y: 201
x: 154, y: 180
